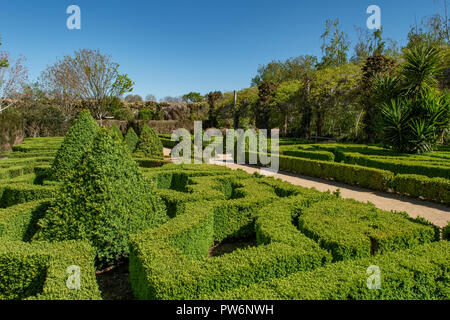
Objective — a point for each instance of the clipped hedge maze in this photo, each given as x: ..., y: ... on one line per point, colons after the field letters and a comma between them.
x: 308, y: 244
x: 299, y: 233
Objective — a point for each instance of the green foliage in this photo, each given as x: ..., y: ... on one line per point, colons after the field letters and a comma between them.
x: 117, y: 134
x: 19, y: 222
x: 105, y: 200
x: 146, y: 114
x: 401, y: 165
x: 38, y: 271
x: 131, y: 140
x: 17, y: 193
x: 149, y: 143
x: 368, y: 230
x: 171, y: 262
x: 414, y: 125
x: 315, y: 155
x: 446, y: 232
x: 414, y: 274
x: 75, y: 144
x: 193, y: 97
x: 124, y: 114
x: 352, y: 174
x: 414, y: 185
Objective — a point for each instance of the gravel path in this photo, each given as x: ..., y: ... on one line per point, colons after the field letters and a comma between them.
x: 437, y: 214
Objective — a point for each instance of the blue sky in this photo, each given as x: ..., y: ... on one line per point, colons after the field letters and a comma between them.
x: 174, y: 47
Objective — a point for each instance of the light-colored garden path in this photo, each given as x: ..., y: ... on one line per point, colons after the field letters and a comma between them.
x: 437, y: 214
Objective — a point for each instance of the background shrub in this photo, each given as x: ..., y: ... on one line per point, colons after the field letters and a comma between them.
x: 124, y: 114
x: 145, y: 114
x: 131, y: 140
x: 117, y: 133
x: 149, y: 143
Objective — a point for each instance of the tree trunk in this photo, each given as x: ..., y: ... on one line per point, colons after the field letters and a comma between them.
x: 319, y: 124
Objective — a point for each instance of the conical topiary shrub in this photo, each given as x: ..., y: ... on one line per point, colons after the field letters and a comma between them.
x: 117, y: 133
x: 131, y: 140
x: 75, y: 144
x: 149, y: 143
x: 104, y: 201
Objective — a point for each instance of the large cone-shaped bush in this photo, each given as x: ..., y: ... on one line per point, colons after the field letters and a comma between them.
x: 149, y: 143
x: 131, y: 140
x: 104, y: 201
x: 75, y: 144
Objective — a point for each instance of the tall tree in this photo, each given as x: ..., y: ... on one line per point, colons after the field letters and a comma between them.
x: 286, y: 100
x: 335, y: 45
x: 150, y: 97
x: 212, y: 98
x: 375, y: 66
x: 280, y: 71
x: 13, y: 75
x: 87, y: 75
x: 266, y: 91
x: 193, y: 97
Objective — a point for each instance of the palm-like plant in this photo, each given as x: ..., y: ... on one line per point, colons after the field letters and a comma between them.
x: 396, y: 130
x: 421, y: 68
x: 413, y: 113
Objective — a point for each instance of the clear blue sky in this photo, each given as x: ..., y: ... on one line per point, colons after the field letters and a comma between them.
x: 174, y: 47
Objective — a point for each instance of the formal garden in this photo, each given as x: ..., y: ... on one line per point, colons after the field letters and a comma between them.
x: 95, y: 206
x: 103, y: 202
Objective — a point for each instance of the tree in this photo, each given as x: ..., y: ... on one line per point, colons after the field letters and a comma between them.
x: 280, y: 71
x: 149, y: 143
x: 105, y: 200
x: 374, y: 66
x: 150, y: 97
x: 75, y: 144
x: 12, y: 78
x: 193, y: 97
x: 266, y: 90
x: 334, y: 45
x: 415, y: 114
x: 286, y: 99
x: 212, y: 98
x: 331, y: 89
x: 89, y: 76
x: 171, y: 99
x: 3, y: 57
x: 373, y: 44
x: 133, y: 98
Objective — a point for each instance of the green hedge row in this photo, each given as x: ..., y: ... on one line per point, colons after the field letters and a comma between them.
x: 436, y: 189
x: 17, y: 193
x: 314, y: 155
x: 39, y: 271
x: 400, y: 166
x: 364, y: 230
x: 446, y: 232
x: 370, y: 178
x: 172, y: 263
x: 19, y: 222
x: 420, y: 273
x: 6, y: 163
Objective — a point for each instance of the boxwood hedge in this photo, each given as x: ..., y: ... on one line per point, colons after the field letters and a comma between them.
x: 171, y: 262
x: 38, y: 271
x: 350, y: 229
x: 418, y: 273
